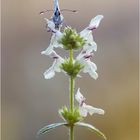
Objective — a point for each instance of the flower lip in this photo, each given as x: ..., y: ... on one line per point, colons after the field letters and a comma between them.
x: 95, y: 22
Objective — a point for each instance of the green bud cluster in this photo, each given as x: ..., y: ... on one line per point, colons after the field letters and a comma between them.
x: 72, y: 69
x: 70, y: 117
x: 71, y: 39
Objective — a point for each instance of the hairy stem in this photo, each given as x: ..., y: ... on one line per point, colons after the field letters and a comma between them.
x: 71, y: 94
x: 72, y: 82
x: 71, y: 55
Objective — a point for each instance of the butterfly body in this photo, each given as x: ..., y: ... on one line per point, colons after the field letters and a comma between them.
x: 57, y: 17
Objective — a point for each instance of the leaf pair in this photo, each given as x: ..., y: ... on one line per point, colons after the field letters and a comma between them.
x: 53, y: 126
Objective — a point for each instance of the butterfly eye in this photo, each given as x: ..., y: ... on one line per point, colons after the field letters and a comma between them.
x: 55, y: 14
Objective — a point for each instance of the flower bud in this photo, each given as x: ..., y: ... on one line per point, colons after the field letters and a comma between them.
x: 70, y: 117
x: 72, y: 69
x: 71, y: 39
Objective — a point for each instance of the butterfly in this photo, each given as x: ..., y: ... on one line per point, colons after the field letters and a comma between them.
x: 57, y: 17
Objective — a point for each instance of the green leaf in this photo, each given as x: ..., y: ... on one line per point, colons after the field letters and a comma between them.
x: 92, y: 128
x: 47, y: 128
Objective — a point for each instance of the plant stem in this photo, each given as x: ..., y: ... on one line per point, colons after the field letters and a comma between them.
x: 71, y: 94
x: 72, y: 133
x: 72, y: 83
x: 71, y: 56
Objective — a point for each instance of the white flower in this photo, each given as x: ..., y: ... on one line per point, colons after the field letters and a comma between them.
x: 56, y: 35
x: 89, y: 67
x: 94, y: 23
x: 89, y: 47
x: 85, y: 109
x: 90, y: 44
x: 58, y: 60
x: 53, y: 44
x: 50, y: 25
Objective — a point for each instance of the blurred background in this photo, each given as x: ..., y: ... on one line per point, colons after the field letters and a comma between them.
x: 29, y: 101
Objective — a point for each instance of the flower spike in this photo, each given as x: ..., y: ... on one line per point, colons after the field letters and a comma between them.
x: 70, y: 40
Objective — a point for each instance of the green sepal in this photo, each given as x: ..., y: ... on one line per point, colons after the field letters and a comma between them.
x: 71, y: 39
x: 47, y: 128
x: 92, y: 128
x: 72, y: 69
x: 70, y: 117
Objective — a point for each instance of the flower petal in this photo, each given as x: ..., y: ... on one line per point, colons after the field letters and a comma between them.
x: 51, y: 25
x: 93, y: 65
x: 85, y: 33
x: 89, y: 47
x: 90, y: 44
x: 57, y: 65
x: 91, y: 110
x: 95, y: 22
x: 58, y: 60
x: 90, y: 67
x: 83, y: 111
x: 93, y: 74
x: 79, y: 97
x: 48, y: 51
x: 54, y: 55
x: 53, y: 43
x: 48, y: 74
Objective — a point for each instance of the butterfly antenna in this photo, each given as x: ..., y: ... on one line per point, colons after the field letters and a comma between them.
x: 68, y: 10
x: 45, y: 11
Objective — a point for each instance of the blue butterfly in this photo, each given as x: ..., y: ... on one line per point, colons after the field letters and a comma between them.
x: 57, y: 18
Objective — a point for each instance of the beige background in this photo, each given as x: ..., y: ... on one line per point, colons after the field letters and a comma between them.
x: 30, y: 102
